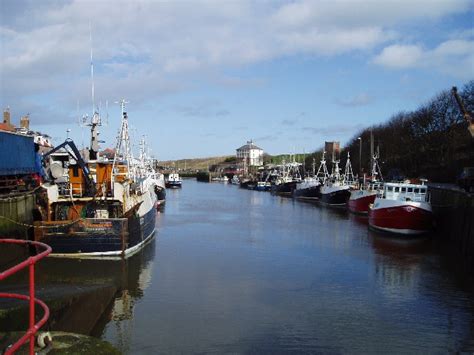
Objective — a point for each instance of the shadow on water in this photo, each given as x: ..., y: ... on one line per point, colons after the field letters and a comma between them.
x: 83, y: 294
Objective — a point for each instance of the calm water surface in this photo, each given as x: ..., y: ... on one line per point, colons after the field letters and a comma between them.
x: 243, y: 271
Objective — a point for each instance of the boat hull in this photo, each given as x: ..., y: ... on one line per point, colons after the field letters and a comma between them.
x: 360, y: 200
x: 285, y: 189
x: 309, y: 193
x: 409, y: 218
x: 91, y: 237
x: 160, y: 193
x: 173, y: 184
x: 248, y: 184
x: 337, y: 197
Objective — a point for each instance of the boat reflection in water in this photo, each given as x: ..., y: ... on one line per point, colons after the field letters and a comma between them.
x: 397, y: 261
x: 89, y: 280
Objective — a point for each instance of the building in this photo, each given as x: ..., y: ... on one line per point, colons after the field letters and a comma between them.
x: 250, y: 155
x: 333, y: 150
x: 43, y: 140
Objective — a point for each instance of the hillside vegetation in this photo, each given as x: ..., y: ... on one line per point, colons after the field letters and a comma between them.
x: 431, y: 142
x: 194, y: 164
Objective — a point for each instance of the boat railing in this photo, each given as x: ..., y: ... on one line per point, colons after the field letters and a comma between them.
x: 30, y: 263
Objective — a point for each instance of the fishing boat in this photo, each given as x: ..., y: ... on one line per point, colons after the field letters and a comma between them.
x: 336, y: 190
x: 263, y: 186
x: 286, y: 183
x: 173, y: 181
x: 102, y: 208
x: 361, y: 198
x: 310, y: 187
x: 402, y: 208
x: 248, y: 184
x: 145, y: 168
x: 222, y: 178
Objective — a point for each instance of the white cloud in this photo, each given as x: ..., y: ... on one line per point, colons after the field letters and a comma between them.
x: 399, y: 56
x: 354, y: 13
x: 452, y: 57
x: 149, y: 48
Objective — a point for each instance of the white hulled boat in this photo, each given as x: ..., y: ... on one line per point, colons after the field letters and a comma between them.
x: 174, y: 181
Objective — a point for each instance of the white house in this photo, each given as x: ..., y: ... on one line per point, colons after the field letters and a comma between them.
x: 250, y: 154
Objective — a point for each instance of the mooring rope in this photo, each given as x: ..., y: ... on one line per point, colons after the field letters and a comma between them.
x: 26, y: 225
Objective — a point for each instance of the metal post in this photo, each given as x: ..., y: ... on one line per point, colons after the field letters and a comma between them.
x: 360, y: 155
x: 32, y: 307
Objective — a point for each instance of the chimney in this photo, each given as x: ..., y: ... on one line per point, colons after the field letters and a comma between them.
x: 6, y: 116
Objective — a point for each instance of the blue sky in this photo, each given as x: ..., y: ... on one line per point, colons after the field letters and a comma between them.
x: 203, y: 77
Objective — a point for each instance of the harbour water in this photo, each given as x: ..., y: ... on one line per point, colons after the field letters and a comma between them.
x: 239, y: 271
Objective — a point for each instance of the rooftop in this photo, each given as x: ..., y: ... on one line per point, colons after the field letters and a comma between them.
x: 250, y: 145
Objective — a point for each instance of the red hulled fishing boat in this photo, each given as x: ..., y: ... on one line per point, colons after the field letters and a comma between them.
x: 403, y: 208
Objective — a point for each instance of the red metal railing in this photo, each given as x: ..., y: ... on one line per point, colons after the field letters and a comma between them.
x: 30, y: 262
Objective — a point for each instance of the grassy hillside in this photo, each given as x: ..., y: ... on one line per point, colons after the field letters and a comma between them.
x: 204, y: 163
x: 194, y: 164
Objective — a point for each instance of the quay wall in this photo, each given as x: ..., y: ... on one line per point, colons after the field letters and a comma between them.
x: 454, y: 212
x: 16, y: 214
x: 203, y: 176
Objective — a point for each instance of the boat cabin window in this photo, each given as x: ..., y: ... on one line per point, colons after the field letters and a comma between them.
x: 403, y: 189
x: 417, y: 190
x: 397, y: 189
x: 410, y: 189
x: 390, y: 188
x: 423, y: 191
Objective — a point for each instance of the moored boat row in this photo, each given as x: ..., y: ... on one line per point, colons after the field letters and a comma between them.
x: 396, y: 207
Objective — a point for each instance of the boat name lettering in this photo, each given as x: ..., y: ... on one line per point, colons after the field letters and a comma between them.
x: 97, y: 225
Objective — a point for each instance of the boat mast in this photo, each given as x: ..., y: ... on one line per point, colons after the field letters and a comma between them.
x: 376, y: 172
x: 371, y: 149
x: 323, y: 173
x: 348, y: 173
x: 122, y: 148
x: 95, y: 119
x: 92, y: 69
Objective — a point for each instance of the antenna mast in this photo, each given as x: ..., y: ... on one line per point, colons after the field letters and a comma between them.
x: 92, y: 69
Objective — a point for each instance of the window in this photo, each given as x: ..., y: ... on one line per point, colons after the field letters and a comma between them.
x: 397, y: 189
x: 403, y: 189
x: 410, y: 189
x: 417, y: 190
x: 390, y: 188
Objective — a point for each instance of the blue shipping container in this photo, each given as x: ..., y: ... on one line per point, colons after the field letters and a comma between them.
x: 17, y: 154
